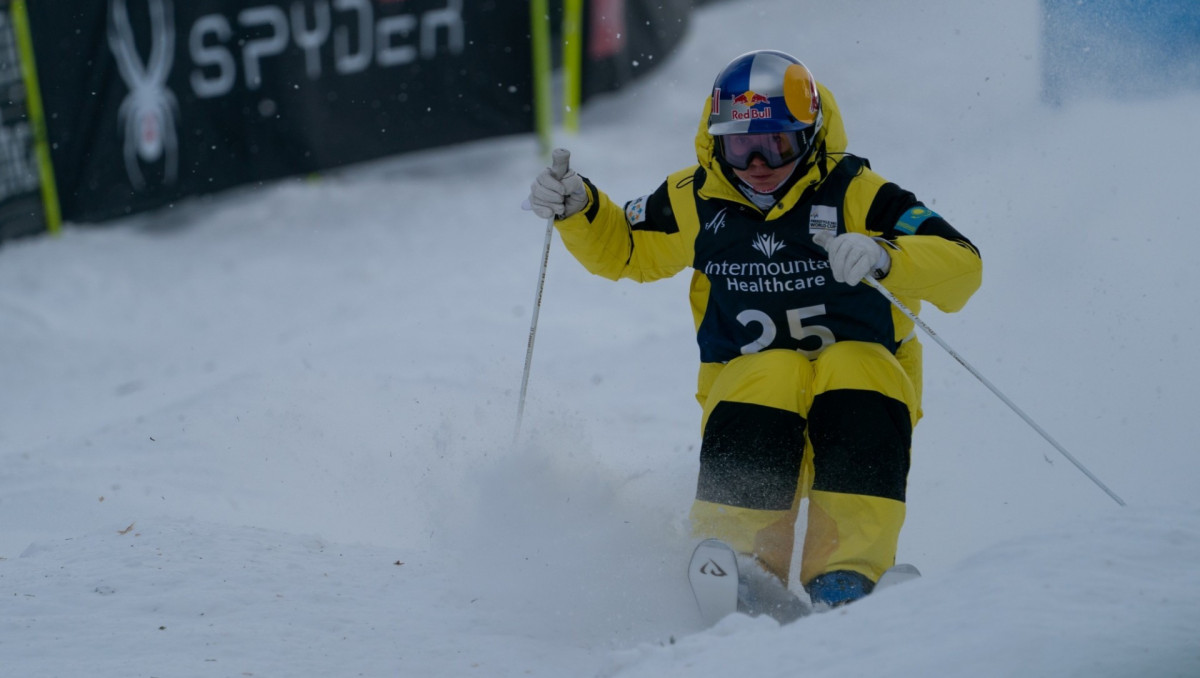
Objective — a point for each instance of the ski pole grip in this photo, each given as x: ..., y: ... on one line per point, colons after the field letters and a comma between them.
x: 560, y: 163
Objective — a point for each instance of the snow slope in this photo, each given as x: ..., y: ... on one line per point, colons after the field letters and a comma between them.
x: 270, y: 433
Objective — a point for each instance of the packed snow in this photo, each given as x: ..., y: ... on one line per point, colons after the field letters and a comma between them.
x: 270, y: 433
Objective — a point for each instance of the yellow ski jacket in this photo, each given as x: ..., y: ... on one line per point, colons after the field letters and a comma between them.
x: 759, y: 281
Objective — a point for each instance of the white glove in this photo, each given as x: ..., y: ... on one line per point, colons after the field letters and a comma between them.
x: 853, y: 256
x: 558, y: 191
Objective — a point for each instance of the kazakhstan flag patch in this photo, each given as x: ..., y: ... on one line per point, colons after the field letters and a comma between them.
x: 911, y: 220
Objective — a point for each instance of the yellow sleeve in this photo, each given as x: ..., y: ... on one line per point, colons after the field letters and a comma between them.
x: 943, y: 272
x: 601, y: 238
x: 940, y: 267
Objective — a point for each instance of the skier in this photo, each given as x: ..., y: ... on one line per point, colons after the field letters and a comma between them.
x: 809, y: 382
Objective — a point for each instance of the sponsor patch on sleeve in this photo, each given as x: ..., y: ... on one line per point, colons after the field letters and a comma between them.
x: 635, y: 210
x: 911, y: 220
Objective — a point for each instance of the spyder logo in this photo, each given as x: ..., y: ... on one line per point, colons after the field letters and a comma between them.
x: 148, y: 113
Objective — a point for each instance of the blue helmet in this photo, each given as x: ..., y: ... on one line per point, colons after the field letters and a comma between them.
x: 765, y: 91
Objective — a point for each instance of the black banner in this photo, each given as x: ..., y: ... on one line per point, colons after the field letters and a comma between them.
x: 148, y: 101
x: 21, y: 210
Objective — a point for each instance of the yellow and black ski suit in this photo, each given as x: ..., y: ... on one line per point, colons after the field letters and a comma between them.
x: 809, y: 387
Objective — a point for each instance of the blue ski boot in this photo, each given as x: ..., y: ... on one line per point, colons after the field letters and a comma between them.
x: 837, y: 588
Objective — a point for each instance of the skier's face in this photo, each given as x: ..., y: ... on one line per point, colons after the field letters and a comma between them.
x: 762, y: 178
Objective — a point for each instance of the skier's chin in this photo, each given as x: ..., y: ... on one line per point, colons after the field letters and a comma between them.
x: 765, y: 189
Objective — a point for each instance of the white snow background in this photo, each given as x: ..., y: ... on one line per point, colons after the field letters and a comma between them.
x: 270, y: 433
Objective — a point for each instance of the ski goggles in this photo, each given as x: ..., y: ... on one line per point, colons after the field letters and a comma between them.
x: 776, y: 148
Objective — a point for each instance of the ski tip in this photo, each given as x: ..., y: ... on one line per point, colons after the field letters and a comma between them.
x: 714, y: 543
x: 897, y: 574
x: 713, y: 574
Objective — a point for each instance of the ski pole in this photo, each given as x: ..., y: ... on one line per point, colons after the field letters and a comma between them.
x: 537, y: 306
x: 954, y: 354
x: 559, y: 165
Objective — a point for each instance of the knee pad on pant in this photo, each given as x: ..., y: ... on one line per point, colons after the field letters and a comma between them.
x: 861, y: 421
x: 753, y: 442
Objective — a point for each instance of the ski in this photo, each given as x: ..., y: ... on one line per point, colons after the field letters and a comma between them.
x: 761, y: 593
x: 723, y: 585
x: 897, y: 574
x: 713, y: 574
x: 721, y: 588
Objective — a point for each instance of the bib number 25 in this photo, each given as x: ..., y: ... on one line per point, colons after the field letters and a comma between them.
x: 796, y: 329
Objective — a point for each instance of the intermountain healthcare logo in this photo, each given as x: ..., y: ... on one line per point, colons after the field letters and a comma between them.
x: 147, y: 116
x: 787, y: 275
x: 767, y: 244
x: 768, y: 276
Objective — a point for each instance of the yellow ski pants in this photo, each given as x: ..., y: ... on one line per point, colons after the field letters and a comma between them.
x: 778, y: 427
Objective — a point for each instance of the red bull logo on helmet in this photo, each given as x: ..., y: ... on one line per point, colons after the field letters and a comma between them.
x: 750, y: 98
x: 750, y: 105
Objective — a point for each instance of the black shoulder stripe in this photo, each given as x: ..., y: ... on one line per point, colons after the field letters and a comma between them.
x: 890, y: 213
x: 660, y: 217
x: 890, y: 203
x: 937, y: 226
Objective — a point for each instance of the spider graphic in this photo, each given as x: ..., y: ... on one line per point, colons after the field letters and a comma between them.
x: 148, y: 113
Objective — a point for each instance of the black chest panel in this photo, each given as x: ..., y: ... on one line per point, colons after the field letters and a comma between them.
x: 770, y: 283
